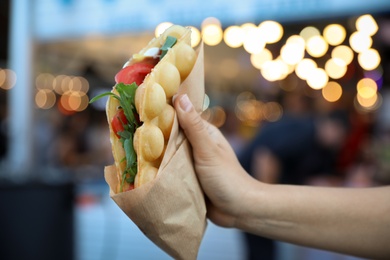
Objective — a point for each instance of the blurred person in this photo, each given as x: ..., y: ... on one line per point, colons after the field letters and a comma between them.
x: 328, y: 218
x: 296, y: 148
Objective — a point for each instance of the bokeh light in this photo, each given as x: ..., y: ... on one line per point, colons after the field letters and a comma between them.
x: 332, y: 91
x: 294, y: 50
x: 370, y: 103
x: 308, y: 32
x: 258, y: 59
x: 272, y: 31
x: 212, y: 33
x: 234, y: 36
x: 272, y: 111
x: 274, y: 70
x: 369, y: 59
x: 161, y: 28
x: 195, y: 36
x: 344, y: 53
x: 7, y: 79
x: 305, y: 67
x: 316, y: 46
x: 366, y: 24
x: 317, y: 79
x: 334, y: 34
x: 366, y: 88
x: 335, y: 68
x: 254, y: 41
x: 44, y: 81
x: 360, y: 41
x: 45, y: 98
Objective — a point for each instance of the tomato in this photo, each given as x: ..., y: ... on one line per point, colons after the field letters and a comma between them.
x: 118, y: 122
x: 131, y: 187
x: 135, y: 72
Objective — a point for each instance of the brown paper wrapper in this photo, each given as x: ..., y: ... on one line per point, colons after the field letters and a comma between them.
x: 171, y: 210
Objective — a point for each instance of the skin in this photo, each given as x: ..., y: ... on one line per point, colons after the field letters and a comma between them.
x: 353, y: 221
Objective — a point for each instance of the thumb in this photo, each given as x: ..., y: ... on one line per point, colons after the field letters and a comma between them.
x: 194, y: 126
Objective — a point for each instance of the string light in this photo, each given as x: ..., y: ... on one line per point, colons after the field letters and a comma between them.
x: 344, y: 53
x: 272, y: 31
x: 161, y: 28
x: 366, y: 24
x: 234, y: 36
x: 212, y: 33
x: 369, y: 59
x: 332, y: 91
x: 334, y: 34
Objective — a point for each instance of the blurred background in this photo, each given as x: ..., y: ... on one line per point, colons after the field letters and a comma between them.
x: 265, y: 62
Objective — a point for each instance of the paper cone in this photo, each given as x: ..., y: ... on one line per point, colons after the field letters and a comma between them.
x: 171, y: 210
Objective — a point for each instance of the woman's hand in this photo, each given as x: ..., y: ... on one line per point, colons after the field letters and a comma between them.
x: 221, y: 176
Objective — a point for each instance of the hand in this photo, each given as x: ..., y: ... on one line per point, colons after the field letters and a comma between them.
x: 221, y: 176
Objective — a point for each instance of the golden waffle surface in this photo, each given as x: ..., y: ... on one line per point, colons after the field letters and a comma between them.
x: 153, y: 101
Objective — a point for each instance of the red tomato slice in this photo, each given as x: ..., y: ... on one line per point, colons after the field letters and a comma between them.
x: 118, y: 121
x: 135, y: 72
x: 131, y: 187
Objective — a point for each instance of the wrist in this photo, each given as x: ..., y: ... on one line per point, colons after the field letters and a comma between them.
x: 252, y: 211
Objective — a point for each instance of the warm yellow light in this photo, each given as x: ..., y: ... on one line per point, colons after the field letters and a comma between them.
x: 367, y: 24
x: 45, y: 98
x: 332, y: 91
x: 294, y: 50
x: 260, y: 58
x: 316, y: 46
x: 335, y: 68
x: 212, y: 34
x: 344, y: 53
x: 274, y: 70
x: 195, y: 36
x: 3, y: 76
x: 74, y: 101
x: 366, y: 88
x: 296, y: 40
x: 309, y: 32
x: 272, y: 31
x: 305, y: 67
x: 360, y: 41
x: 248, y: 26
x: 249, y: 111
x: 161, y: 28
x: 291, y: 54
x: 75, y: 84
x: 334, y: 34
x: 369, y: 59
x: 209, y: 21
x: 234, y: 36
x: 65, y: 83
x: 254, y: 40
x: 272, y: 111
x: 84, y: 85
x: 7, y: 79
x: 369, y: 102
x: 44, y: 81
x: 317, y: 79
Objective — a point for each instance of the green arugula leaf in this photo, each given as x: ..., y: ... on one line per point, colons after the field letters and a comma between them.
x: 104, y: 95
x: 169, y: 43
x: 126, y: 100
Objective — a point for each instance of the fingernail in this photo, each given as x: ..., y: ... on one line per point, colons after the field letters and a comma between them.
x: 185, y: 103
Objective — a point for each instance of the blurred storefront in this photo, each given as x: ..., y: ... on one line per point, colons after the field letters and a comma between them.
x: 262, y: 59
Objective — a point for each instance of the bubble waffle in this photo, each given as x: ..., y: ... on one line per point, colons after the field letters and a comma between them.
x: 153, y: 105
